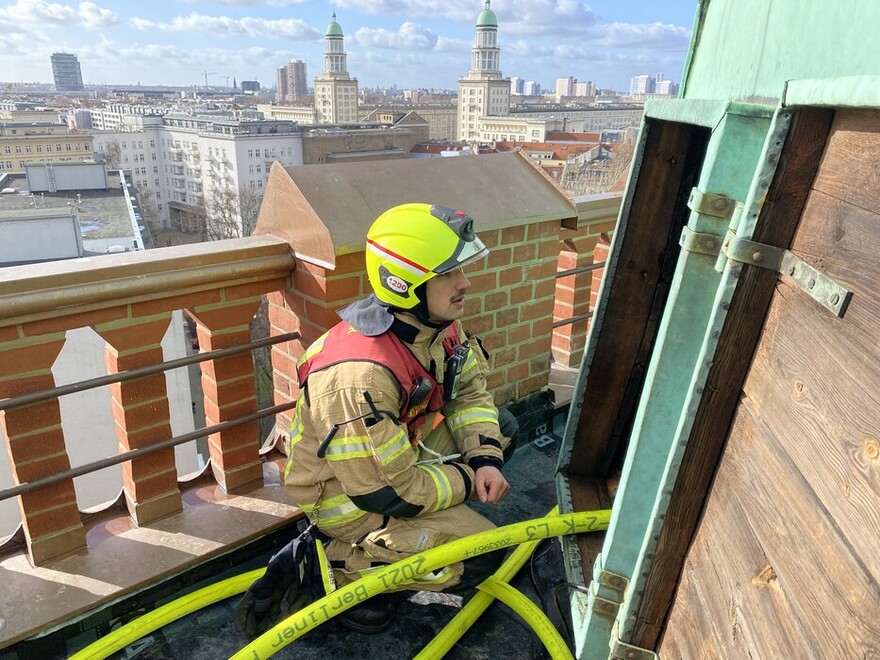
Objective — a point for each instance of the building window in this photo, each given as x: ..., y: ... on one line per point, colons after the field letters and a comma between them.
x: 28, y: 149
x: 18, y: 148
x: 58, y: 147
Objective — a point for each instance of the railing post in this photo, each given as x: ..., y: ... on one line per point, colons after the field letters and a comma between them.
x: 140, y: 408
x: 569, y: 340
x: 35, y: 441
x: 230, y: 390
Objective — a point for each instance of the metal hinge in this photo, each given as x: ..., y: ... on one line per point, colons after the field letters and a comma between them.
x: 694, y: 241
x: 812, y: 281
x: 623, y: 651
x: 714, y: 204
x: 607, y: 608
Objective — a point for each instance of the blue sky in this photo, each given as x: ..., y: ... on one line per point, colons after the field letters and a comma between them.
x: 410, y: 43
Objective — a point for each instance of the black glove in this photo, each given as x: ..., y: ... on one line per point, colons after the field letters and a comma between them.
x: 288, y: 578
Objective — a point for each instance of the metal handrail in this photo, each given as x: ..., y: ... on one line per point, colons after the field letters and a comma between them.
x: 576, y: 271
x: 131, y: 374
x: 142, y: 451
x: 573, y: 319
x: 140, y: 372
x: 580, y: 269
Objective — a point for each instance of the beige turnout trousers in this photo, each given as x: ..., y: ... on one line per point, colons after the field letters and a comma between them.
x: 403, y: 537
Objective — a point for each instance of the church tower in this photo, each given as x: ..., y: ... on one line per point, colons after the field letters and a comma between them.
x: 484, y: 92
x: 336, y: 93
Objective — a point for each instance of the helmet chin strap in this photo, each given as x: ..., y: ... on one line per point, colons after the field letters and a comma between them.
x: 420, y: 311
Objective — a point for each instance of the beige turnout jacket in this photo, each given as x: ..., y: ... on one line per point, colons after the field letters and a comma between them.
x: 371, y: 472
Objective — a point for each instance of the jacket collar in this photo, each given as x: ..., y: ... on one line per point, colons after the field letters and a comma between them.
x: 371, y: 318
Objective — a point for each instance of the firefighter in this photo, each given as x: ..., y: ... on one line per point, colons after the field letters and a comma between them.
x: 394, y: 429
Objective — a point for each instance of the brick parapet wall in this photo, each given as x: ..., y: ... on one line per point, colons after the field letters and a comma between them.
x: 575, y: 293
x: 129, y: 302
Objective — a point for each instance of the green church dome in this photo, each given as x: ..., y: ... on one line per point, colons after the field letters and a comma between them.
x: 487, y: 17
x: 334, y: 29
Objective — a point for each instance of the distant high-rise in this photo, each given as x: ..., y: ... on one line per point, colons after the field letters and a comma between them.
x: 641, y: 85
x: 291, y: 83
x: 483, y: 93
x: 516, y: 85
x: 531, y: 88
x: 336, y: 93
x: 66, y: 71
x: 564, y: 87
x: 250, y: 86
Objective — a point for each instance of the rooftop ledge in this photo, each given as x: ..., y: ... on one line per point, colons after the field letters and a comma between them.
x: 48, y: 290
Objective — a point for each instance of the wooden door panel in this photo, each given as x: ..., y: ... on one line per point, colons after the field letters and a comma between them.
x: 820, y: 400
x: 786, y: 559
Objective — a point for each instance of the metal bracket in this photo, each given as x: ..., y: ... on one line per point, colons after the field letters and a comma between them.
x: 714, y: 204
x: 613, y: 581
x: 623, y: 651
x: 607, y: 608
x: 812, y: 281
x: 694, y: 241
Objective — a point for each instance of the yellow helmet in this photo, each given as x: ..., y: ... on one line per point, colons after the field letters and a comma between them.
x: 411, y: 243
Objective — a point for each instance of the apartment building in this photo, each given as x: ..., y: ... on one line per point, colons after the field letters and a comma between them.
x: 23, y: 143
x: 193, y: 164
x: 290, y: 81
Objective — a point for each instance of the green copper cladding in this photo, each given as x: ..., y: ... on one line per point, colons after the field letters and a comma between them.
x: 733, y: 153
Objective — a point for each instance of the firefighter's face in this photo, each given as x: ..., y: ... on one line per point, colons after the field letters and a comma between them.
x: 446, y: 294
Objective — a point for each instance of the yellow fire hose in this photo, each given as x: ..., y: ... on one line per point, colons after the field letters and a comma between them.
x: 413, y: 567
x: 168, y: 613
x: 474, y: 608
x: 526, y: 534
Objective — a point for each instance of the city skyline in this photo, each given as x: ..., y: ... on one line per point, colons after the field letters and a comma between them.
x: 426, y: 44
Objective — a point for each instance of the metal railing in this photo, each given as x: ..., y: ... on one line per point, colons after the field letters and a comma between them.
x: 576, y: 271
x: 133, y: 374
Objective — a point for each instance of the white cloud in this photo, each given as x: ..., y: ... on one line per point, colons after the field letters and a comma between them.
x: 650, y: 35
x: 409, y: 36
x: 38, y: 12
x: 456, y: 10
x: 258, y: 28
x: 247, y: 3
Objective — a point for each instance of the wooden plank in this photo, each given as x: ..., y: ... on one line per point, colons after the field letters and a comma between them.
x: 844, y: 241
x: 825, y: 584
x: 738, y: 597
x: 589, y: 495
x: 638, y: 291
x: 688, y: 636
x: 779, y: 217
x: 817, y: 392
x: 850, y: 170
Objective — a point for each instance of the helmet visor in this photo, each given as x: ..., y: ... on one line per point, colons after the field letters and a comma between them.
x: 466, y: 252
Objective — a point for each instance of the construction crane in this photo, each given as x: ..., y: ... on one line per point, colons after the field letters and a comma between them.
x: 206, y: 74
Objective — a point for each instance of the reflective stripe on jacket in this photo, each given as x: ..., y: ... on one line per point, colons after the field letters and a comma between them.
x: 369, y: 470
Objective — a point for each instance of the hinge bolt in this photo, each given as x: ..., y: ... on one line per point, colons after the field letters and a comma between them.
x: 835, y: 299
x: 757, y: 257
x: 811, y: 283
x: 791, y: 270
x: 710, y: 245
x: 719, y: 204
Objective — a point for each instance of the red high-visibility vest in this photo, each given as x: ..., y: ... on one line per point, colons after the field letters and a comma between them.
x: 343, y: 344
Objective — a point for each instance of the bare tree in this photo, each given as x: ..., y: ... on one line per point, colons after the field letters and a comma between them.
x: 112, y: 154
x: 232, y: 213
